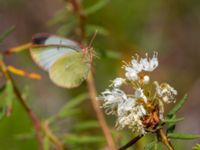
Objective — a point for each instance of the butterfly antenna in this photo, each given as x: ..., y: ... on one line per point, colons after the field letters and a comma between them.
x: 92, y: 40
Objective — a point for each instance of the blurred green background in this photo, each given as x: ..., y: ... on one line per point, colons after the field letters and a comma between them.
x: 170, y: 27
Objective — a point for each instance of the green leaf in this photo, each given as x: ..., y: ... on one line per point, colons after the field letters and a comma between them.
x: 196, y: 147
x: 96, y: 7
x: 6, y: 33
x: 183, y: 136
x: 65, y: 30
x: 150, y: 146
x: 178, y: 106
x: 24, y: 136
x: 46, y: 143
x: 82, y: 139
x: 86, y: 125
x: 58, y: 17
x: 2, y: 112
x: 71, y: 108
x: 173, y: 120
x: 6, y: 96
x: 67, y: 113
x: 75, y: 101
x: 10, y: 96
x: 91, y: 29
x: 109, y: 54
x: 171, y: 127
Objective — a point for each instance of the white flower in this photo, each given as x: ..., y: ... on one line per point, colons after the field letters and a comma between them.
x: 131, y: 73
x: 138, y: 65
x: 141, y: 111
x: 140, y: 94
x: 111, y: 99
x: 118, y: 82
x: 166, y: 92
x: 129, y: 113
x: 149, y: 64
x: 132, y: 120
x: 126, y: 106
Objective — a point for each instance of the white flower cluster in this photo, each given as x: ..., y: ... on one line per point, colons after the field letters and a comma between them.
x: 134, y: 110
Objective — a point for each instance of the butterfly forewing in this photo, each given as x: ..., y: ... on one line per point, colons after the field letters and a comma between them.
x: 70, y: 70
x: 48, y: 39
x: 45, y: 56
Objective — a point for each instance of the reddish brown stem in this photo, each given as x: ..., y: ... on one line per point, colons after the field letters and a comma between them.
x: 99, y: 114
x: 90, y: 82
x: 165, y: 139
x: 31, y: 114
x: 51, y: 136
x: 132, y: 142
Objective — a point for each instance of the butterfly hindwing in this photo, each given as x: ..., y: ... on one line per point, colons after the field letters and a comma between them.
x: 70, y: 70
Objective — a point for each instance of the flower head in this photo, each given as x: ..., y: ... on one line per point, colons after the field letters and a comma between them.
x: 141, y: 110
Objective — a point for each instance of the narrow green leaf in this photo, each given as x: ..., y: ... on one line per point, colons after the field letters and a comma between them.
x: 2, y: 112
x: 6, y: 33
x: 150, y: 146
x: 24, y: 136
x: 65, y: 30
x: 59, y: 17
x: 183, y: 136
x: 91, y: 29
x: 178, y: 106
x: 67, y: 113
x: 173, y: 120
x: 96, y: 7
x: 70, y: 108
x: 110, y: 54
x: 9, y: 97
x: 82, y: 139
x: 171, y: 126
x: 6, y: 99
x: 86, y: 125
x: 46, y: 143
x: 196, y: 147
x: 75, y: 101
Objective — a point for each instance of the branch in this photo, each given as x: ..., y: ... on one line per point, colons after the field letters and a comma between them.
x: 81, y: 16
x: 165, y: 139
x: 132, y: 142
x: 31, y: 114
x: 52, y: 137
x: 90, y: 81
x: 99, y: 114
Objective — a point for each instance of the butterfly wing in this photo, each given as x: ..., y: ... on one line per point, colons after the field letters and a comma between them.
x: 70, y: 70
x: 47, y: 49
x: 48, y: 39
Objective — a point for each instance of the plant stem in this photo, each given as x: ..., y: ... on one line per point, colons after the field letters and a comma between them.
x: 99, y: 114
x: 165, y: 139
x: 31, y: 114
x: 51, y: 136
x: 90, y: 81
x: 132, y: 142
x: 81, y: 16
